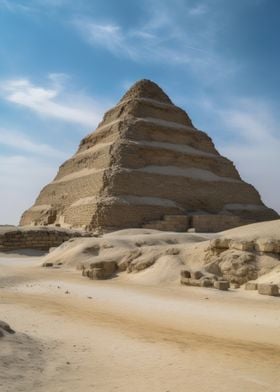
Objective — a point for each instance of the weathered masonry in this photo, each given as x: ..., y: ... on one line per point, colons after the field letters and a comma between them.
x: 146, y: 165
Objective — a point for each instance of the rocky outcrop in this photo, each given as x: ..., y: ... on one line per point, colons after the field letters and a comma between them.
x: 5, y: 328
x: 146, y: 161
x: 100, y: 270
x: 237, y: 260
x: 268, y: 289
x: 203, y: 279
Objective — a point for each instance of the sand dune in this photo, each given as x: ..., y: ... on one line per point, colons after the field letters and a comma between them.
x: 139, y: 331
x: 120, y: 335
x: 247, y: 253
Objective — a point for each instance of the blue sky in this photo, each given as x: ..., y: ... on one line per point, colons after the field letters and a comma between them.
x: 64, y: 62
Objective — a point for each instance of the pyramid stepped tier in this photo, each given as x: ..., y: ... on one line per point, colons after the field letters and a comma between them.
x: 169, y: 223
x: 146, y: 161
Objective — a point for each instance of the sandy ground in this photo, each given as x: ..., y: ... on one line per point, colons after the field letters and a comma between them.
x: 117, y: 335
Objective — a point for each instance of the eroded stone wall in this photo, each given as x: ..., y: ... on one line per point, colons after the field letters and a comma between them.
x: 30, y: 238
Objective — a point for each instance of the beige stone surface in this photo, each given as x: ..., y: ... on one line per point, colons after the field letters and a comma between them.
x: 251, y: 286
x: 146, y: 149
x: 246, y: 253
x: 221, y: 285
x: 268, y: 289
x: 164, y: 256
x: 42, y: 238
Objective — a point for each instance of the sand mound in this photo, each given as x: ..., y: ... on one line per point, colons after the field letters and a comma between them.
x: 21, y: 362
x: 129, y: 250
x: 239, y: 255
x: 165, y: 270
x: 268, y: 230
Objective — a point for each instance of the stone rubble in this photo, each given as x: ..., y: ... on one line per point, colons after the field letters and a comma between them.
x: 268, y: 289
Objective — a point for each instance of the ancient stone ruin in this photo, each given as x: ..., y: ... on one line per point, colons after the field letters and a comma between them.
x: 233, y: 262
x: 41, y: 238
x: 146, y: 165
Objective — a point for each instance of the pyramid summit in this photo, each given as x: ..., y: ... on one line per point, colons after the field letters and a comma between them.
x: 146, y: 89
x: 146, y: 165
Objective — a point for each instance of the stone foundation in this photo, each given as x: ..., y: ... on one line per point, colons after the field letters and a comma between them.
x: 210, y: 223
x: 41, y: 238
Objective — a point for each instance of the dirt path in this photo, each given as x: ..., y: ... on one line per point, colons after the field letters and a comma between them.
x: 76, y: 334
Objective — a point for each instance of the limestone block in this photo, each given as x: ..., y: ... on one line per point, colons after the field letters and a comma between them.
x: 241, y: 245
x: 268, y: 289
x: 234, y: 285
x: 97, y: 273
x: 220, y: 243
x: 173, y: 251
x: 215, y: 222
x: 194, y: 282
x: 190, y: 282
x: 177, y: 218
x: 267, y: 246
x: 185, y: 281
x: 108, y: 267
x: 85, y: 271
x: 276, y: 246
x: 196, y: 274
x: 48, y: 264
x: 185, y: 274
x: 206, y: 282
x: 221, y: 285
x: 40, y: 238
x: 251, y: 286
x: 141, y: 264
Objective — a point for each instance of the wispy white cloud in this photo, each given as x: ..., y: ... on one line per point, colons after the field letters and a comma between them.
x: 26, y: 163
x: 162, y: 37
x: 21, y: 179
x: 108, y: 36
x: 249, y: 136
x: 31, y: 6
x: 52, y: 3
x: 199, y: 9
x: 14, y: 6
x: 181, y: 32
x: 21, y: 142
x: 53, y: 100
x: 252, y: 120
x: 58, y: 79
x: 245, y: 130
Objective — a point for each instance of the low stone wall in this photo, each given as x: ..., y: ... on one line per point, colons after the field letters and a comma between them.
x: 260, y: 245
x: 41, y: 238
x: 215, y: 222
x: 203, y: 223
x: 240, y: 261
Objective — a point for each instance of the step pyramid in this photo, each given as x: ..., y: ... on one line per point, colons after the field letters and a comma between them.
x: 144, y: 162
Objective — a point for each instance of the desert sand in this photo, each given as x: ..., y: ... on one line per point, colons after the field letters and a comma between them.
x: 133, y: 332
